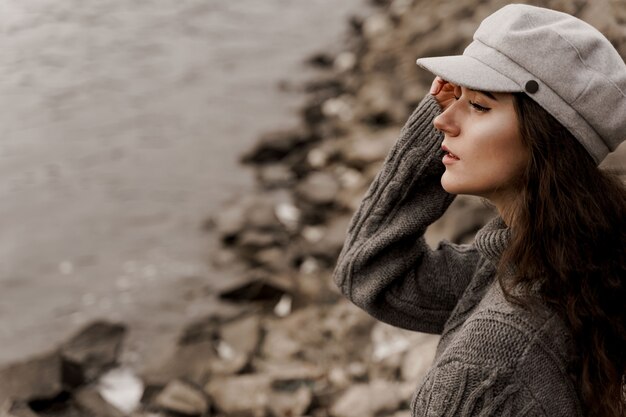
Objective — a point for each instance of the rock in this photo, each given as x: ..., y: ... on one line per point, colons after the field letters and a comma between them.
x: 39, y: 377
x: 275, y: 175
x: 276, y: 145
x: 364, y: 148
x: 229, y: 361
x: 257, y: 287
x: 318, y: 188
x: 242, y: 334
x: 252, y: 240
x: 465, y: 216
x: 192, y: 361
x: 273, y: 258
x: 10, y: 408
x: 418, y: 360
x: 90, y: 352
x: 242, y: 395
x: 287, y: 372
x: 279, y: 343
x: 184, y: 398
x: 331, y: 239
x: 121, y: 388
x: 382, y: 397
x: 289, y: 404
x: 230, y: 220
x: 89, y: 400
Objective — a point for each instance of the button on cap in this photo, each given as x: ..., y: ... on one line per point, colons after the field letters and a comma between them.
x: 532, y: 86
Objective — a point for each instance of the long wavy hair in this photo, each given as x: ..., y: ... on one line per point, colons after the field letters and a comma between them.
x: 568, y: 235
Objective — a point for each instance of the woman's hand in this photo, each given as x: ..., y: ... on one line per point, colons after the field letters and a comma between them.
x: 443, y: 91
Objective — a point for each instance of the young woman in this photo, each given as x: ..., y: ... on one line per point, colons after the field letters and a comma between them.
x: 533, y: 313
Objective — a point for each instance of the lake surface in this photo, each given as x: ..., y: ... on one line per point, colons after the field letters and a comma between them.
x: 120, y: 130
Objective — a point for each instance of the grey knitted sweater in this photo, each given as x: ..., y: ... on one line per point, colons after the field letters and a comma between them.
x: 493, y: 359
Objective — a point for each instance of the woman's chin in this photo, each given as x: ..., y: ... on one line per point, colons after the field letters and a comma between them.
x: 450, y: 186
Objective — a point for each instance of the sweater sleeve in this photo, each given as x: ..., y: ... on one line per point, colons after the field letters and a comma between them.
x: 385, y: 266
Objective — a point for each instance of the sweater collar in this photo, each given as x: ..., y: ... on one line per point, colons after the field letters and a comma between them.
x: 492, y: 239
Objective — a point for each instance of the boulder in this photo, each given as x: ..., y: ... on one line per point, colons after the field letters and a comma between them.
x: 90, y: 402
x: 91, y: 351
x: 183, y: 398
x: 38, y: 377
x: 241, y: 395
x: 379, y: 397
x: 318, y: 188
x: 276, y: 145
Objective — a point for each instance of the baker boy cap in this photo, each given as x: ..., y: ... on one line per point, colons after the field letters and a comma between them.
x: 564, y: 64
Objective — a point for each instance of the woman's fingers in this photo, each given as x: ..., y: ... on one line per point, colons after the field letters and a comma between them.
x: 437, y: 85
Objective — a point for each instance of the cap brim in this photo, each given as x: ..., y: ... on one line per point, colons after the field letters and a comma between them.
x: 469, y: 72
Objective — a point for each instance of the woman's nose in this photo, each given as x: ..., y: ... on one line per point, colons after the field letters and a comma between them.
x: 445, y: 122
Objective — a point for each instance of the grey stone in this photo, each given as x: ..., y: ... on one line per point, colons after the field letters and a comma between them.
x: 365, y: 147
x: 418, y: 359
x: 257, y: 286
x: 275, y: 175
x: 91, y: 351
x: 383, y: 397
x: 290, y: 404
x: 38, y: 377
x: 318, y: 188
x: 243, y: 334
x: 276, y: 145
x: 242, y: 395
x: 192, y: 361
x: 89, y: 401
x: 10, y: 408
x: 184, y: 398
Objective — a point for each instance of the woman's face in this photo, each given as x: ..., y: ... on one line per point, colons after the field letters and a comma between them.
x: 485, y: 152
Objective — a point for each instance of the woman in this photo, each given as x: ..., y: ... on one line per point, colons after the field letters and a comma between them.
x: 532, y: 313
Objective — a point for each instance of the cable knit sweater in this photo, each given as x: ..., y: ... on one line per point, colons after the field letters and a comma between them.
x: 493, y: 359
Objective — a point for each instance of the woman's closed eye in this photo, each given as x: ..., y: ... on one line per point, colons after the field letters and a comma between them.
x: 477, y: 106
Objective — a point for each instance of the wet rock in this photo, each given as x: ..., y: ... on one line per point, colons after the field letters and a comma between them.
x: 192, y: 361
x: 383, y: 397
x: 243, y: 395
x: 272, y: 176
x: 253, y: 240
x: 10, y: 408
x: 121, y: 388
x: 418, y: 360
x: 331, y: 239
x: 365, y: 148
x: 89, y: 401
x: 229, y: 221
x: 460, y: 223
x: 280, y: 343
x: 259, y: 287
x: 243, y: 334
x: 93, y: 350
x: 284, y: 372
x: 274, y: 146
x: 184, y: 398
x: 39, y: 377
x: 318, y: 188
x: 290, y: 403
x: 274, y: 258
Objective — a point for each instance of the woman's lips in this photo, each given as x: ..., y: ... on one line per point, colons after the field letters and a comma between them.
x: 449, y: 157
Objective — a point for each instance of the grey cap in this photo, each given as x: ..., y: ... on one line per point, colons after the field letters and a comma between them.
x: 564, y: 64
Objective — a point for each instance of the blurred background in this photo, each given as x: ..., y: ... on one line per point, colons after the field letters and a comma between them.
x: 121, y: 127
x: 179, y: 167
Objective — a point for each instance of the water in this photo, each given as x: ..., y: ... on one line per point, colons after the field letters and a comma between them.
x: 120, y: 129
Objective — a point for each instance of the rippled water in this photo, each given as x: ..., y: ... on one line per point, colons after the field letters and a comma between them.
x: 120, y: 128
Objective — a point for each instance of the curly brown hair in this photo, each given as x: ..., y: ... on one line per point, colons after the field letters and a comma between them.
x: 568, y: 234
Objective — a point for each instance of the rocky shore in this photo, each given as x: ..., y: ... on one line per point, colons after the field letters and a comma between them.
x: 291, y: 345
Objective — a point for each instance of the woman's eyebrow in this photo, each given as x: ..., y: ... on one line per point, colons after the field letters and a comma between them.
x: 488, y: 94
